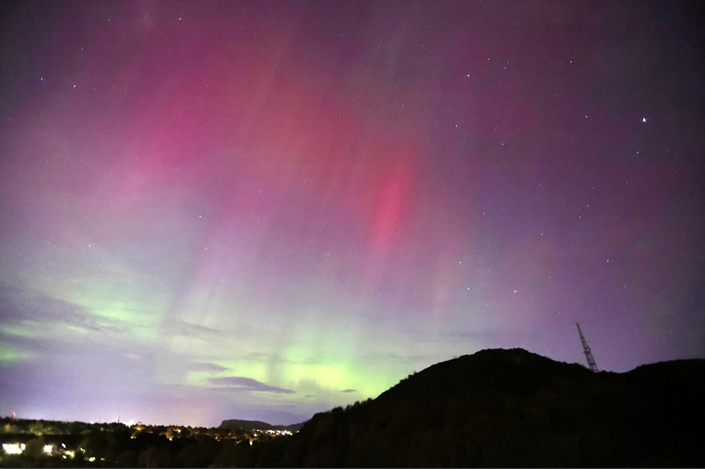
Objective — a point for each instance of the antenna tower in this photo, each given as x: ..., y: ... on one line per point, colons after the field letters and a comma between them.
x: 587, y: 352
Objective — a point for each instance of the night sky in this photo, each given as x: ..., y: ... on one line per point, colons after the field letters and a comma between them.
x: 262, y: 210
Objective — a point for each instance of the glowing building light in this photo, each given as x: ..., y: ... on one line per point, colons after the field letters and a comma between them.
x: 48, y: 449
x: 12, y: 448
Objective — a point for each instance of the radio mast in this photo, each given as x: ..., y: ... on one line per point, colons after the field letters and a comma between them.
x: 587, y: 352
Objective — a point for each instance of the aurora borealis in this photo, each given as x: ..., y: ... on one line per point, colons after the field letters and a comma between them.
x: 261, y: 210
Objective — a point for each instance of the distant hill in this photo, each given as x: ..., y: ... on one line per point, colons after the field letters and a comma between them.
x: 248, y: 425
x: 509, y: 408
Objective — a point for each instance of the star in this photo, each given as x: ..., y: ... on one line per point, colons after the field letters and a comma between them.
x: 643, y: 119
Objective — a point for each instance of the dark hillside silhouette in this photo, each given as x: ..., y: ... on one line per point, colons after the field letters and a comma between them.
x: 235, y: 424
x: 509, y: 408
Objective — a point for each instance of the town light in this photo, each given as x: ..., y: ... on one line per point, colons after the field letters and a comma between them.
x: 48, y: 449
x: 12, y: 448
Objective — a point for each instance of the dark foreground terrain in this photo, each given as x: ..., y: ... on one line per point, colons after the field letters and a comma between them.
x: 500, y: 408
x: 496, y: 408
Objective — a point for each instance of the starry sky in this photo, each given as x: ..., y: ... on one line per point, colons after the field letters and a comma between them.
x: 262, y: 210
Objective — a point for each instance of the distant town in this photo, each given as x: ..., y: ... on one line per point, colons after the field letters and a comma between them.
x: 50, y: 443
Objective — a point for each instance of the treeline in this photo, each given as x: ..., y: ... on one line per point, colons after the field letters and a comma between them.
x: 11, y: 425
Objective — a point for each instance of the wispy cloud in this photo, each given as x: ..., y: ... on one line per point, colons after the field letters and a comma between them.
x: 189, y: 329
x: 200, y: 366
x: 248, y: 384
x: 17, y: 309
